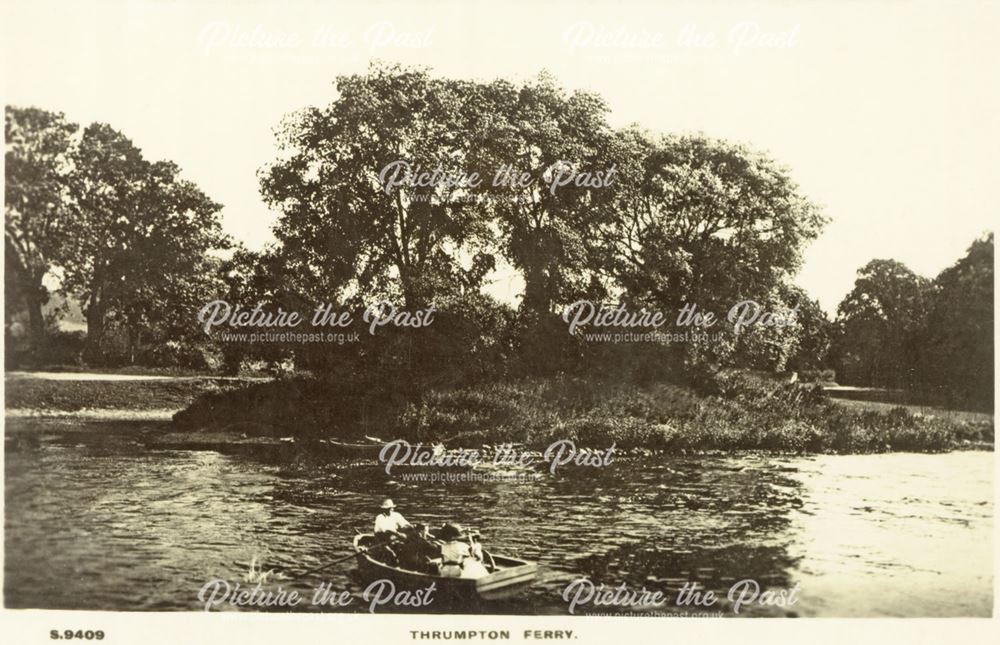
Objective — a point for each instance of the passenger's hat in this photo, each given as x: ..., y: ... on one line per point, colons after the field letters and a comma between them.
x: 387, y: 503
x: 450, y: 532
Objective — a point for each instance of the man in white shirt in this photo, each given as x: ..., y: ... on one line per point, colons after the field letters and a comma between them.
x: 388, y: 522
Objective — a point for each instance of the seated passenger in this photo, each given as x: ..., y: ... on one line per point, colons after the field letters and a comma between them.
x: 456, y: 556
x: 416, y: 551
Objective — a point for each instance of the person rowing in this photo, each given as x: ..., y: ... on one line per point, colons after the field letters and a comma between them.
x: 388, y: 522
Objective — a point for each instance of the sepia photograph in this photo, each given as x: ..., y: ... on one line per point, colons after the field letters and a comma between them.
x: 465, y: 321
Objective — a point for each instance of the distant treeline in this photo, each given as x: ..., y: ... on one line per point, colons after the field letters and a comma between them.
x: 580, y: 210
x: 897, y: 329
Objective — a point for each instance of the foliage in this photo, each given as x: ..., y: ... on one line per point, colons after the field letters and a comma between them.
x: 877, y: 321
x: 252, y: 277
x: 815, y: 332
x: 899, y: 329
x: 129, y: 238
x: 548, y: 135
x: 704, y: 221
x: 351, y: 236
x: 37, y: 225
x: 139, y: 253
x: 745, y: 412
x: 956, y: 341
x: 676, y: 219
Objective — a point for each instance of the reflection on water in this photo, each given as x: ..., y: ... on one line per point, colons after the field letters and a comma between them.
x: 98, y: 522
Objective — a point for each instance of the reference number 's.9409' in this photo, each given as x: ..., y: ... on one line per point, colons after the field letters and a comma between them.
x: 69, y: 634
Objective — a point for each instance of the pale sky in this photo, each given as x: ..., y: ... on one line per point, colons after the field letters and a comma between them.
x: 886, y: 113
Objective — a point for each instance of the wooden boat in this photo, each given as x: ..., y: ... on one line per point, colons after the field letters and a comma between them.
x: 508, y: 576
x: 351, y: 449
x: 233, y: 442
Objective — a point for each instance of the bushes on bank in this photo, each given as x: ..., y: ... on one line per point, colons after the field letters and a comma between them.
x: 744, y: 412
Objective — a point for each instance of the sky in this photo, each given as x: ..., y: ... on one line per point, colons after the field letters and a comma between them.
x: 887, y: 114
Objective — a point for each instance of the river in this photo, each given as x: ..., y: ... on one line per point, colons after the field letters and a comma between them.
x: 95, y: 521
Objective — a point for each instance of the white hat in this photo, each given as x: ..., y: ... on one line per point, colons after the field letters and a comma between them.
x: 387, y: 503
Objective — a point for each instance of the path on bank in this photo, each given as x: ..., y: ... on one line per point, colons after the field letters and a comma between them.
x: 100, y: 376
x: 883, y: 400
x: 95, y: 396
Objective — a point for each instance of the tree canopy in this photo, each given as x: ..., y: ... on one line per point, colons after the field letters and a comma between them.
x: 549, y: 138
x: 702, y: 220
x: 957, y: 338
x: 358, y: 237
x: 877, y: 321
x: 37, y: 223
x: 140, y: 252
x: 129, y: 238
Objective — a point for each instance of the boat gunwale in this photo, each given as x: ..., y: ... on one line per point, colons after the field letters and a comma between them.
x: 363, y: 552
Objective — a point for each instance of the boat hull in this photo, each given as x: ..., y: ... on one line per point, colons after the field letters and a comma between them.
x: 510, y: 577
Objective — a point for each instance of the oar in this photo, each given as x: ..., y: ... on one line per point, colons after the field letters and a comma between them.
x: 493, y: 563
x: 328, y: 564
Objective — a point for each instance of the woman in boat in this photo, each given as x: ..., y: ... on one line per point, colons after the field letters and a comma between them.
x: 457, y: 560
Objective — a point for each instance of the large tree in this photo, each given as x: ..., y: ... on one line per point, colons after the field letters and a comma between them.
x: 139, y: 256
x: 957, y: 341
x: 346, y: 227
x: 548, y: 136
x: 36, y: 219
x: 704, y: 221
x: 878, y: 323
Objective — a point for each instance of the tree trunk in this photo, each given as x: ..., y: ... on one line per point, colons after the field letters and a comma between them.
x: 537, y: 298
x: 134, y: 341
x: 35, y: 299
x: 412, y: 298
x: 95, y: 329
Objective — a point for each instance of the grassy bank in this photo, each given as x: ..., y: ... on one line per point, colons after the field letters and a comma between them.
x: 733, y: 412
x: 925, y: 410
x: 43, y: 395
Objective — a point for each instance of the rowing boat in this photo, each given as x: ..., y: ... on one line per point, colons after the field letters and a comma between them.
x: 507, y: 576
x: 351, y: 449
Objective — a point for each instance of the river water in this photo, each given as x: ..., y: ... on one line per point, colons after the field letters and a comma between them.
x: 95, y: 521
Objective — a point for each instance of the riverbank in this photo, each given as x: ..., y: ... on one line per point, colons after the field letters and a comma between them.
x: 737, y: 412
x: 740, y: 412
x: 99, y: 395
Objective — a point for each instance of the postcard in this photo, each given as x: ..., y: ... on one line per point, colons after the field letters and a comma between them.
x: 397, y: 321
